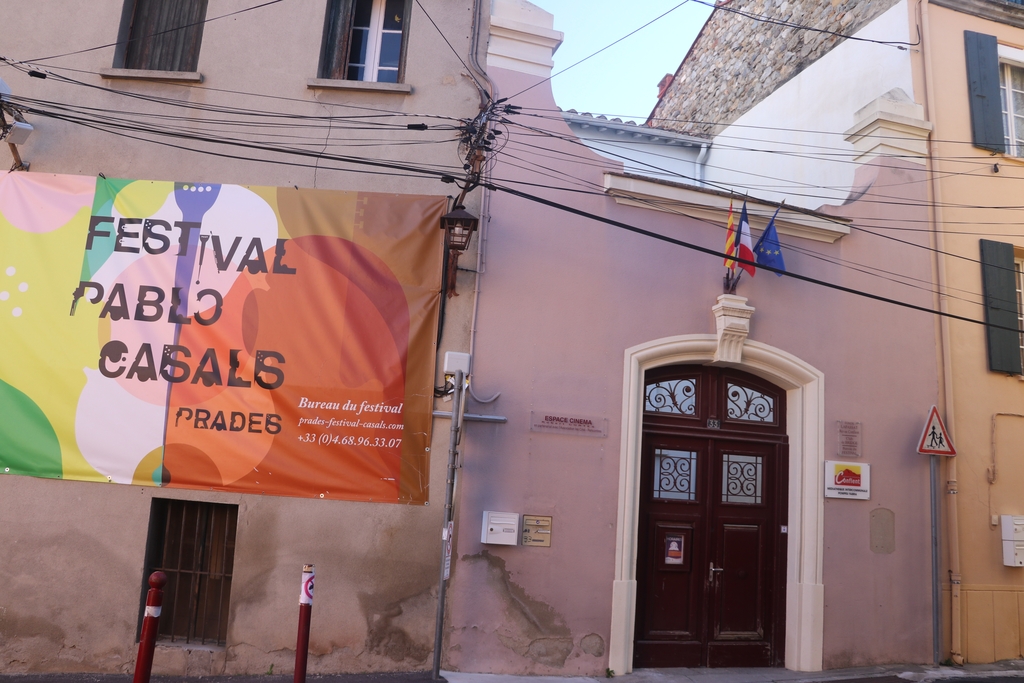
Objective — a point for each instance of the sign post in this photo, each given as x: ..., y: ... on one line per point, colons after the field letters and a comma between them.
x: 935, y: 442
x: 935, y: 439
x: 305, y: 612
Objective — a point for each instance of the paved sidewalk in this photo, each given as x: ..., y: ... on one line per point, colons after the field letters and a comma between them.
x: 1011, y: 671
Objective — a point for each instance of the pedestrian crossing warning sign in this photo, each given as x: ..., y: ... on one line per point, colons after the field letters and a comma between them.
x: 934, y: 439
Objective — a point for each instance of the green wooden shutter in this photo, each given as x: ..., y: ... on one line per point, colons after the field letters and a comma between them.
x: 337, y: 33
x: 997, y: 276
x: 165, y: 35
x: 983, y: 89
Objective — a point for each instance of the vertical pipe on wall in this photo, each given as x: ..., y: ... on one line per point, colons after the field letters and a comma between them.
x: 449, y: 491
x: 701, y: 163
x: 938, y: 245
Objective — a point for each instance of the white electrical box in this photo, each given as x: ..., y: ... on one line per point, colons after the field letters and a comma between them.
x: 454, y: 360
x: 500, y: 528
x: 1013, y: 540
x: 18, y: 135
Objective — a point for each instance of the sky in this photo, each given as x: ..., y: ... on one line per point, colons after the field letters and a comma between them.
x: 623, y: 80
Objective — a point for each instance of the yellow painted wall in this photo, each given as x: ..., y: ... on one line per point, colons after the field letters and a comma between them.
x: 992, y: 615
x: 993, y: 623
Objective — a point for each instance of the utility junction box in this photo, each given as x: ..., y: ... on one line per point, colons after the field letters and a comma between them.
x: 500, y: 528
x: 1013, y: 540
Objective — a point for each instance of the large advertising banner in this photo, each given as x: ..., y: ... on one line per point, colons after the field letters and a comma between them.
x: 250, y: 339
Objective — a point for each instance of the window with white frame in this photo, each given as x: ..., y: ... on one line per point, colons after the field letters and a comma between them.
x: 364, y: 40
x: 1011, y: 92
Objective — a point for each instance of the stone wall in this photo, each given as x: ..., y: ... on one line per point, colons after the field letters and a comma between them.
x: 737, y: 60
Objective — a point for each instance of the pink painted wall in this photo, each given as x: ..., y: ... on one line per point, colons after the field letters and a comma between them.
x: 563, y: 297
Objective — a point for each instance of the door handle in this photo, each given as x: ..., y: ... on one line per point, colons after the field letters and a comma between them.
x: 712, y: 570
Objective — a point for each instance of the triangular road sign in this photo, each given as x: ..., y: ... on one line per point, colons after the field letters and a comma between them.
x: 935, y: 439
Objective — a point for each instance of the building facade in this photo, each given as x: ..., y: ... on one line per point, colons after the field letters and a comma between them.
x: 247, y: 104
x: 675, y: 476
x: 979, y: 236
x: 688, y: 528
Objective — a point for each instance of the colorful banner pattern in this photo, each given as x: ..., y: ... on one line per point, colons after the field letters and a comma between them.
x: 248, y: 339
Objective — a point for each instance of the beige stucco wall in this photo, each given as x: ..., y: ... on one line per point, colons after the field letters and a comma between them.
x: 72, y: 554
x: 975, y: 201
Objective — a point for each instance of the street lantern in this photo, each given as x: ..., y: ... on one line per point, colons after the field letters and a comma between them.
x: 459, y: 226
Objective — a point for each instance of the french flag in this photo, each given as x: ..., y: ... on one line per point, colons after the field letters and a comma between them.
x: 746, y: 246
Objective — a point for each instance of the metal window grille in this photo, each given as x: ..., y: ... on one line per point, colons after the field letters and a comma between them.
x: 194, y: 544
x: 675, y: 474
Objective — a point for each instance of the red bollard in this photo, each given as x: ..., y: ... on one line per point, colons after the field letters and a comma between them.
x: 154, y: 600
x: 305, y: 611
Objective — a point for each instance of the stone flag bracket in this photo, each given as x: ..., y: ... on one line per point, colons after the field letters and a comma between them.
x: 732, y: 324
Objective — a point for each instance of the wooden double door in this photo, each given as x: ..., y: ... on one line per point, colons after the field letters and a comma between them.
x: 712, y: 542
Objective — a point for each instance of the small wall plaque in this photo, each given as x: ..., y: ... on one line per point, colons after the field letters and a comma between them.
x: 536, y: 530
x: 850, y: 480
x: 851, y: 438
x: 554, y: 422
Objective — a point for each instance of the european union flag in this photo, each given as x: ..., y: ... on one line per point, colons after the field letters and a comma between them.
x: 768, y: 251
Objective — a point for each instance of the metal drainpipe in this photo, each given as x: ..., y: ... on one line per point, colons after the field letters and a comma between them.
x: 952, y: 520
x: 485, y: 203
x: 458, y: 400
x: 701, y: 160
x: 449, y: 515
x: 474, y: 48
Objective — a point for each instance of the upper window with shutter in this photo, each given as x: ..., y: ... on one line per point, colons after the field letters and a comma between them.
x: 160, y: 35
x: 365, y: 40
x: 1011, y: 90
x: 995, y: 79
x: 1001, y: 282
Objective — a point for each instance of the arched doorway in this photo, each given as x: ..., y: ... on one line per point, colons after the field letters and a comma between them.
x: 711, y: 544
x: 805, y: 414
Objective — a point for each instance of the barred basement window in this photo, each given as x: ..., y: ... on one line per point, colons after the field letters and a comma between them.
x: 194, y: 544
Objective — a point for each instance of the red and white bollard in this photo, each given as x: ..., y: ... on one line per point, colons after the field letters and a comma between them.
x: 150, y: 623
x: 305, y: 612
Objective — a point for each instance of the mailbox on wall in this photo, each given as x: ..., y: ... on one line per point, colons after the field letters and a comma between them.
x: 1013, y: 540
x: 500, y: 528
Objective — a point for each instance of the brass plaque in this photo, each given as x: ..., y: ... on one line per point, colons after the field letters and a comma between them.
x: 536, y: 530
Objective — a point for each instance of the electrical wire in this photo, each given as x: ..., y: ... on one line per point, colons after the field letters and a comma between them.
x: 406, y: 170
x: 730, y: 190
x: 765, y: 19
x: 711, y: 252
x: 479, y: 85
x: 53, y: 72
x: 157, y: 33
x: 594, y: 54
x: 888, y: 275
x: 881, y: 273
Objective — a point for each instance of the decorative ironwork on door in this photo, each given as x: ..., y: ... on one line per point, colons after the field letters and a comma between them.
x: 677, y: 396
x: 675, y: 474
x: 750, y: 405
x: 741, y: 479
